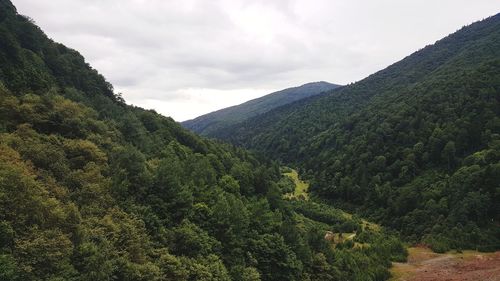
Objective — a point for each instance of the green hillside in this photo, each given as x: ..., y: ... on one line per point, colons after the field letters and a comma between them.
x: 218, y: 121
x: 94, y: 189
x: 415, y: 146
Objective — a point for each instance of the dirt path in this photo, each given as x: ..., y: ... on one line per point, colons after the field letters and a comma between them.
x: 424, y: 265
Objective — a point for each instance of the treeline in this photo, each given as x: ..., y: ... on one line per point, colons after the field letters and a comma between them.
x: 94, y: 189
x: 415, y: 146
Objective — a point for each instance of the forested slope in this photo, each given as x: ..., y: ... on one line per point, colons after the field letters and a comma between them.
x: 212, y: 123
x: 415, y: 146
x: 94, y: 189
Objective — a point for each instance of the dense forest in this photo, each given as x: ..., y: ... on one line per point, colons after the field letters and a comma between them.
x: 218, y: 121
x: 94, y: 189
x: 415, y: 146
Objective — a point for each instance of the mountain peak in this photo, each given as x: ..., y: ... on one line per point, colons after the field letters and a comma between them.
x: 210, y: 123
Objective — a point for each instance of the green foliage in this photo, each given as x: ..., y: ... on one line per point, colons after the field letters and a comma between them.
x: 286, y: 185
x: 414, y: 146
x: 94, y: 189
x: 212, y: 123
x: 8, y: 268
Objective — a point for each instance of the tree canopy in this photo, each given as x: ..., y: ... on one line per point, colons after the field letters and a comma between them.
x: 94, y: 189
x: 415, y: 146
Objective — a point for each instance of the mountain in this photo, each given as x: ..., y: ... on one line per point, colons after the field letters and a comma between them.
x: 415, y: 146
x: 94, y: 189
x: 219, y: 120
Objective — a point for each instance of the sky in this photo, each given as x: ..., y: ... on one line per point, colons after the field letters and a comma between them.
x: 185, y: 58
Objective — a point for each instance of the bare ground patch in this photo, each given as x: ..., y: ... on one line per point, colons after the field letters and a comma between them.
x: 424, y: 265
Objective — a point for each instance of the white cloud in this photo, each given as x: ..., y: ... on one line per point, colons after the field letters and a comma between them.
x: 186, y: 101
x: 185, y: 58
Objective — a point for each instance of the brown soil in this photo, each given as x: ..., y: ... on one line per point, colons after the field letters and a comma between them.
x: 424, y: 265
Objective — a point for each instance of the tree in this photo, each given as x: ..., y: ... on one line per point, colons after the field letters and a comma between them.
x: 448, y: 154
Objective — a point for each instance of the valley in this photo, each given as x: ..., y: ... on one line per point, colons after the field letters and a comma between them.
x: 415, y: 147
x: 93, y: 188
x: 422, y: 264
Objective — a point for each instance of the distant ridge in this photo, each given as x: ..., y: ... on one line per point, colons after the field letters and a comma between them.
x: 220, y: 119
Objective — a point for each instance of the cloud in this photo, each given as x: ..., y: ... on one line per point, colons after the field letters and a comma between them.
x: 185, y: 58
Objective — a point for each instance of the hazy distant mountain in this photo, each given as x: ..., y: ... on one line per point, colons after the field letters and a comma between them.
x: 217, y: 120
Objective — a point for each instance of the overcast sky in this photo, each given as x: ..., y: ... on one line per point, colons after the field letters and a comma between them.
x: 185, y: 58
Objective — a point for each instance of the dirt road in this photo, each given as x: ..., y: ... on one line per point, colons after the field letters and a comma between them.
x: 424, y: 265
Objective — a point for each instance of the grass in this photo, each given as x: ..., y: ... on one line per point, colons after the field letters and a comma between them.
x: 364, y: 223
x: 342, y: 237
x: 301, y: 187
x: 300, y: 192
x: 416, y: 255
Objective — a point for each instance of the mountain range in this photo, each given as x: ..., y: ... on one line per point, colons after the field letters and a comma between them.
x: 317, y: 182
x: 415, y: 146
x: 94, y: 189
x: 209, y: 124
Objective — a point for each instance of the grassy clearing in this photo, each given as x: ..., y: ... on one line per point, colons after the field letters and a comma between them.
x: 342, y: 237
x: 364, y: 223
x: 301, y: 187
x: 301, y: 192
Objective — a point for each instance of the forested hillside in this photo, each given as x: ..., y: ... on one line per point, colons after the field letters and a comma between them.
x: 212, y: 123
x: 415, y: 146
x: 94, y: 189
